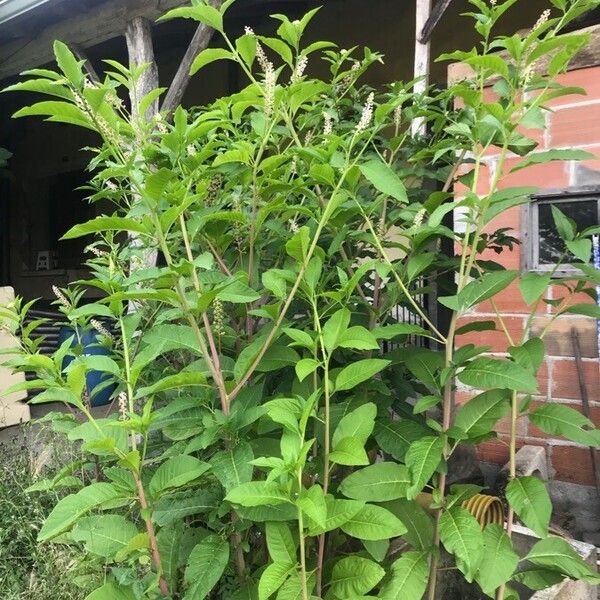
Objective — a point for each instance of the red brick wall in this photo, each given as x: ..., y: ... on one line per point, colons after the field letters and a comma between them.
x: 574, y: 122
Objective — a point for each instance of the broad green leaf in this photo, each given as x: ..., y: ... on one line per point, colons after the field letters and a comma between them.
x: 410, y: 574
x: 68, y: 64
x: 312, y: 502
x: 71, y: 508
x: 557, y: 555
x: 356, y: 424
x: 395, y: 436
x: 174, y: 507
x: 564, y: 225
x: 476, y: 326
x: 377, y: 483
x: 111, y: 591
x: 479, y: 415
x: 354, y: 576
x: 537, y: 158
x: 461, y: 535
x: 582, y: 249
x: 358, y: 338
x: 558, y: 419
x: 589, y: 310
x: 104, y: 535
x: 179, y: 380
x: 205, y: 566
x: 208, y: 56
x: 335, y: 326
x: 538, y: 578
x: 530, y: 500
x: 169, y: 540
x: 305, y: 367
x: 233, y: 467
x: 485, y: 372
x: 338, y: 513
x: 101, y: 224
x: 273, y: 577
x: 355, y: 373
x: 176, y: 472
x: 257, y: 493
x: 349, y: 451
x: 281, y: 545
x: 499, y: 560
x: 377, y: 549
x: 373, y: 522
x: 204, y: 13
x: 384, y: 179
x: 424, y: 364
x: 422, y: 459
x: 418, y: 522
x: 529, y: 355
x: 481, y: 289
x: 424, y: 403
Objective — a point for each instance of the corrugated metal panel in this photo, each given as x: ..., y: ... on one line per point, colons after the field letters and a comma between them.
x: 10, y: 9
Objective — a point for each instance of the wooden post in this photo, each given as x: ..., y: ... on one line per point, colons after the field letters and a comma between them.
x: 138, y: 35
x: 422, y: 57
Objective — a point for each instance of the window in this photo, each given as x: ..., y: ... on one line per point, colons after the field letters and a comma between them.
x: 543, y: 245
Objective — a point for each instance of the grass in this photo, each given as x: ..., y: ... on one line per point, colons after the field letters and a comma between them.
x: 29, y: 571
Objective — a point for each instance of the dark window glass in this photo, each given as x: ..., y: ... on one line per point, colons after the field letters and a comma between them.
x: 551, y: 247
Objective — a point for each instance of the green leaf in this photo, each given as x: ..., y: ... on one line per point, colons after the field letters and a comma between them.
x: 418, y: 523
x: 424, y: 364
x: 384, y: 179
x: 557, y: 555
x: 68, y: 64
x: 538, y: 578
x: 533, y: 285
x: 476, y: 326
x: 169, y: 541
x: 335, y: 326
x: 479, y: 415
x: 71, y: 508
x: 176, y: 472
x: 233, y: 467
x: 338, y: 513
x: 205, y: 566
x: 280, y: 543
x: 354, y: 576
x: 312, y: 502
x: 461, y: 535
x: 589, y: 310
x: 257, y: 493
x: 424, y: 403
x: 208, y: 56
x: 179, y: 380
x: 422, y: 459
x: 355, y: 373
x: 177, y: 506
x: 564, y: 225
x: 530, y: 500
x: 305, y: 367
x: 101, y: 224
x: 104, y: 535
x: 373, y: 522
x: 582, y: 249
x: 199, y: 12
x: 111, y: 591
x: 558, y: 419
x: 395, y: 436
x: 485, y: 372
x: 239, y: 293
x: 273, y: 577
x: 539, y: 158
x: 358, y: 338
x: 410, y: 574
x: 499, y: 560
x: 377, y: 483
x: 349, y: 451
x: 481, y: 289
x: 357, y: 424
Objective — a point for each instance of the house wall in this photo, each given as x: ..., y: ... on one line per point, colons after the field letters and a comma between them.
x: 574, y: 123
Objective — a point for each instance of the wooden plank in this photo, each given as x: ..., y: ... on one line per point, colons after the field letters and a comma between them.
x: 140, y: 49
x: 422, y: 59
x: 588, y: 57
x: 87, y: 29
x: 434, y: 18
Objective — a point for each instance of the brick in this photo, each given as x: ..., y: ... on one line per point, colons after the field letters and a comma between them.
x: 565, y: 383
x: 496, y: 339
x: 575, y: 125
x: 558, y: 341
x: 588, y: 79
x: 543, y: 380
x: 504, y: 425
x: 572, y: 464
x: 558, y: 292
x: 494, y: 451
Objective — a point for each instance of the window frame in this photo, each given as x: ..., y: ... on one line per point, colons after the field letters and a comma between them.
x: 530, y: 233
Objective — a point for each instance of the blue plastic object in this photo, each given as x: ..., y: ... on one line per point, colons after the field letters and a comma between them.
x: 89, y: 340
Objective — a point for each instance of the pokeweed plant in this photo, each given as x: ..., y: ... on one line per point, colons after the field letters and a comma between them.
x: 278, y: 425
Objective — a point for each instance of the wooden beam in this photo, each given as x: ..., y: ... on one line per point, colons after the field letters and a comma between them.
x: 138, y: 36
x: 434, y: 18
x: 176, y: 90
x: 422, y: 59
x: 86, y: 29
